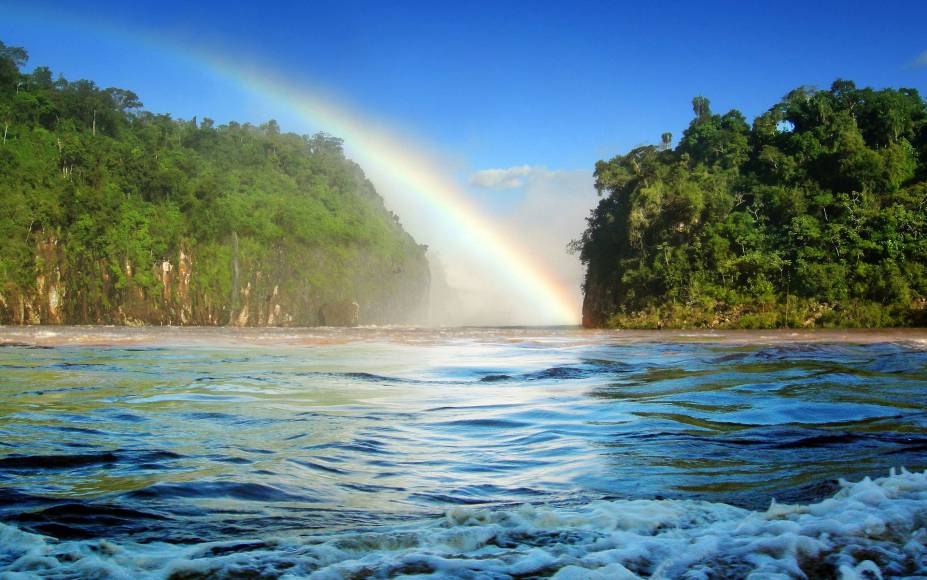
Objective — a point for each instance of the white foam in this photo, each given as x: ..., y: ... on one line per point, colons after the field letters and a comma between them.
x: 870, y: 529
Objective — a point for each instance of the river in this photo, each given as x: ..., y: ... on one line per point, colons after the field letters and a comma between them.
x: 470, y: 453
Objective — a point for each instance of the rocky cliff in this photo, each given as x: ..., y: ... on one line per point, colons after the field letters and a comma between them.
x: 110, y: 214
x: 268, y: 293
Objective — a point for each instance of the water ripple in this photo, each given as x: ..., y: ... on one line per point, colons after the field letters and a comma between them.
x: 302, y: 431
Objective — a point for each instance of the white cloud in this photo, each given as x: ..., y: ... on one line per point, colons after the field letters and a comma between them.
x: 921, y: 60
x: 501, y: 179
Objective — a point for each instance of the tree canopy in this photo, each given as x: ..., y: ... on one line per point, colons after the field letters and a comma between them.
x: 118, y: 190
x: 816, y: 214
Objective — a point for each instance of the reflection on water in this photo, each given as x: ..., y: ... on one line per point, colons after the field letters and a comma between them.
x: 213, y: 434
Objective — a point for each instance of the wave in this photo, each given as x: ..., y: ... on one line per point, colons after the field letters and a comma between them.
x: 30, y: 463
x: 218, y: 489
x: 868, y: 529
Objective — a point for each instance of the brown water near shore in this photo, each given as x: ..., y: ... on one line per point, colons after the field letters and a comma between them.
x: 219, y: 336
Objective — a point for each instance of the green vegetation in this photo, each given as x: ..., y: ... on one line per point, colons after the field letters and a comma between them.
x: 112, y: 214
x: 814, y: 216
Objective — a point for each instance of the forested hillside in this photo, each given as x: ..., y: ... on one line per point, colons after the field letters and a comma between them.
x: 112, y: 214
x: 814, y: 215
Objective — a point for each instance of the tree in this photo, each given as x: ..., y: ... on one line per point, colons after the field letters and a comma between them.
x: 118, y: 205
x: 666, y: 141
x: 701, y: 106
x: 822, y: 200
x: 12, y: 58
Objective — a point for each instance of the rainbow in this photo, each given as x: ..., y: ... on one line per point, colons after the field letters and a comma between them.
x: 386, y: 153
x: 398, y: 159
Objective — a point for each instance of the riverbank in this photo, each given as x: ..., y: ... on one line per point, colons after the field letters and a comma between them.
x: 217, y: 337
x: 795, y: 313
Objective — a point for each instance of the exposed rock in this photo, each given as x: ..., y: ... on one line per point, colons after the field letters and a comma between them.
x: 54, y: 302
x: 274, y: 316
x: 166, y: 268
x: 245, y: 314
x: 170, y: 289
x: 596, y: 302
x: 182, y: 294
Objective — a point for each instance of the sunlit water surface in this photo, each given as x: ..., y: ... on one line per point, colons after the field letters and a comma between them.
x: 490, y: 453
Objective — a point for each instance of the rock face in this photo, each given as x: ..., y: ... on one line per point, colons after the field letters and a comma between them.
x: 171, y: 291
x: 596, y: 302
x: 344, y: 313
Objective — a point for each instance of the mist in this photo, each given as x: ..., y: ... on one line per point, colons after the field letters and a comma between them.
x: 538, y: 209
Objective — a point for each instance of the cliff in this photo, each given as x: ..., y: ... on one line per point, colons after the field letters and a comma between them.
x: 110, y: 214
x: 269, y: 293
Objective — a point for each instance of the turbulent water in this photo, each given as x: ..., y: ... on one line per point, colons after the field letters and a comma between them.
x: 472, y: 453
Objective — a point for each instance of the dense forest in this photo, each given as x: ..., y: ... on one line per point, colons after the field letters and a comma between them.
x: 816, y: 215
x: 113, y: 214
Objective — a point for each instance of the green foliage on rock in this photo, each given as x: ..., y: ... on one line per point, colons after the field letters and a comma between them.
x: 109, y: 213
x: 816, y: 215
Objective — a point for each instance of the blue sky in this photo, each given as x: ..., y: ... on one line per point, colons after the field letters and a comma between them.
x: 497, y: 84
